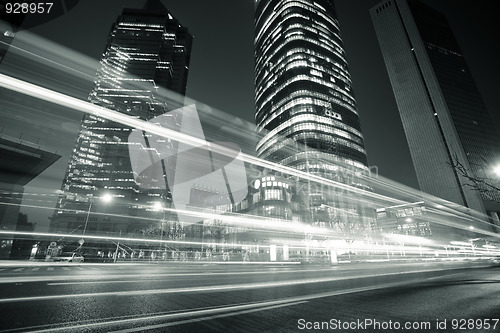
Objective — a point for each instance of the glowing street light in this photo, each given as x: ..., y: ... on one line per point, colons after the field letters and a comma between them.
x: 496, y: 170
x: 157, y: 206
x: 106, y: 198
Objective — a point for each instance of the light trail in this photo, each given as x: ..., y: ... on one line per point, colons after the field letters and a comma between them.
x: 141, y: 277
x: 235, y: 219
x: 89, y: 108
x: 223, y: 288
x: 40, y: 50
x: 196, y: 315
x: 212, y: 313
x: 45, y: 51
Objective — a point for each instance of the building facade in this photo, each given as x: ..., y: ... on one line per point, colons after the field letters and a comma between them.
x: 444, y: 117
x: 306, y: 112
x: 21, y: 162
x: 147, y: 50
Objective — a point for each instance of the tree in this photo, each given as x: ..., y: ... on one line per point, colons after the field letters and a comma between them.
x: 484, y: 185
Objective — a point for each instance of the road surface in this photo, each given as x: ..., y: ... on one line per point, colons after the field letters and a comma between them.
x: 184, y: 297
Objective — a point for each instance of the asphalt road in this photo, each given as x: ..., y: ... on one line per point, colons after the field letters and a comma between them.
x: 183, y: 297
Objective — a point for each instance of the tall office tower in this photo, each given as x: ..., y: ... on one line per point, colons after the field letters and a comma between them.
x: 305, y: 109
x: 443, y: 114
x: 147, y: 49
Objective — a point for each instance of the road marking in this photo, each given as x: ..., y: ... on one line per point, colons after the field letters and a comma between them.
x: 18, y: 269
x: 109, y: 277
x: 50, y: 268
x: 140, y: 276
x: 35, y: 269
x: 213, y: 288
x: 186, y: 317
x: 66, y: 268
x: 2, y: 269
x: 213, y: 313
x: 78, y: 267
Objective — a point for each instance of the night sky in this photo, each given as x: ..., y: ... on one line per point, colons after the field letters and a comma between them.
x: 221, y: 71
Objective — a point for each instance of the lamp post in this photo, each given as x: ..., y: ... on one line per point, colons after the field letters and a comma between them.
x: 106, y: 198
x: 158, y: 207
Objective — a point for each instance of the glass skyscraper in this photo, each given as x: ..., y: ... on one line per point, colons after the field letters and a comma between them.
x: 443, y: 114
x: 147, y: 50
x: 306, y: 113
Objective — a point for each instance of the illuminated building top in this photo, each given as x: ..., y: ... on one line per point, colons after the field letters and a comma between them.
x: 303, y: 91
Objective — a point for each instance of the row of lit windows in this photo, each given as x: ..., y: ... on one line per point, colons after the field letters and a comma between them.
x: 320, y: 43
x: 142, y: 24
x: 299, y: 29
x: 340, y: 74
x: 286, y: 5
x: 278, y: 110
x: 333, y: 159
x: 314, y: 70
x: 293, y: 34
x: 351, y: 133
x: 296, y: 78
x: 269, y: 42
x: 272, y: 138
x: 328, y: 138
x: 276, y: 49
x: 320, y: 100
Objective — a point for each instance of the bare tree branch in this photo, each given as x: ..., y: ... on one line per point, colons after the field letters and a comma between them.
x: 482, y: 185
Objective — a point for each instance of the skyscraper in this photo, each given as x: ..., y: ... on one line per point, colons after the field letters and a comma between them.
x: 306, y: 113
x: 147, y: 49
x: 443, y: 114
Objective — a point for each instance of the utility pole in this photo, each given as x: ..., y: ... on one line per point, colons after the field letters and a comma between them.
x: 117, y: 246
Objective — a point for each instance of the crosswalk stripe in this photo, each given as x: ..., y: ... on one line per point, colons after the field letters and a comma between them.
x: 79, y: 267
x: 2, y: 269
x: 66, y: 268
x: 19, y: 269
x: 36, y: 269
x: 50, y: 268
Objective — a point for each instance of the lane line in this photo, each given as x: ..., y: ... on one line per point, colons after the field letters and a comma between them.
x: 193, y: 320
x: 214, y: 288
x: 215, y: 313
x: 260, y: 306
x: 142, y: 275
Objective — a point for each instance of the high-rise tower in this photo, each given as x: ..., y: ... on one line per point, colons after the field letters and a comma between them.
x: 305, y: 109
x: 443, y: 114
x: 147, y: 49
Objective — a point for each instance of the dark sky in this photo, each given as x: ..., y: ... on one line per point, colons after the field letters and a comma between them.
x: 221, y: 71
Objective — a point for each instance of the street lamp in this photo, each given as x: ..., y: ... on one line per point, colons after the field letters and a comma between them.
x: 158, y: 207
x: 496, y: 170
x: 106, y: 198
